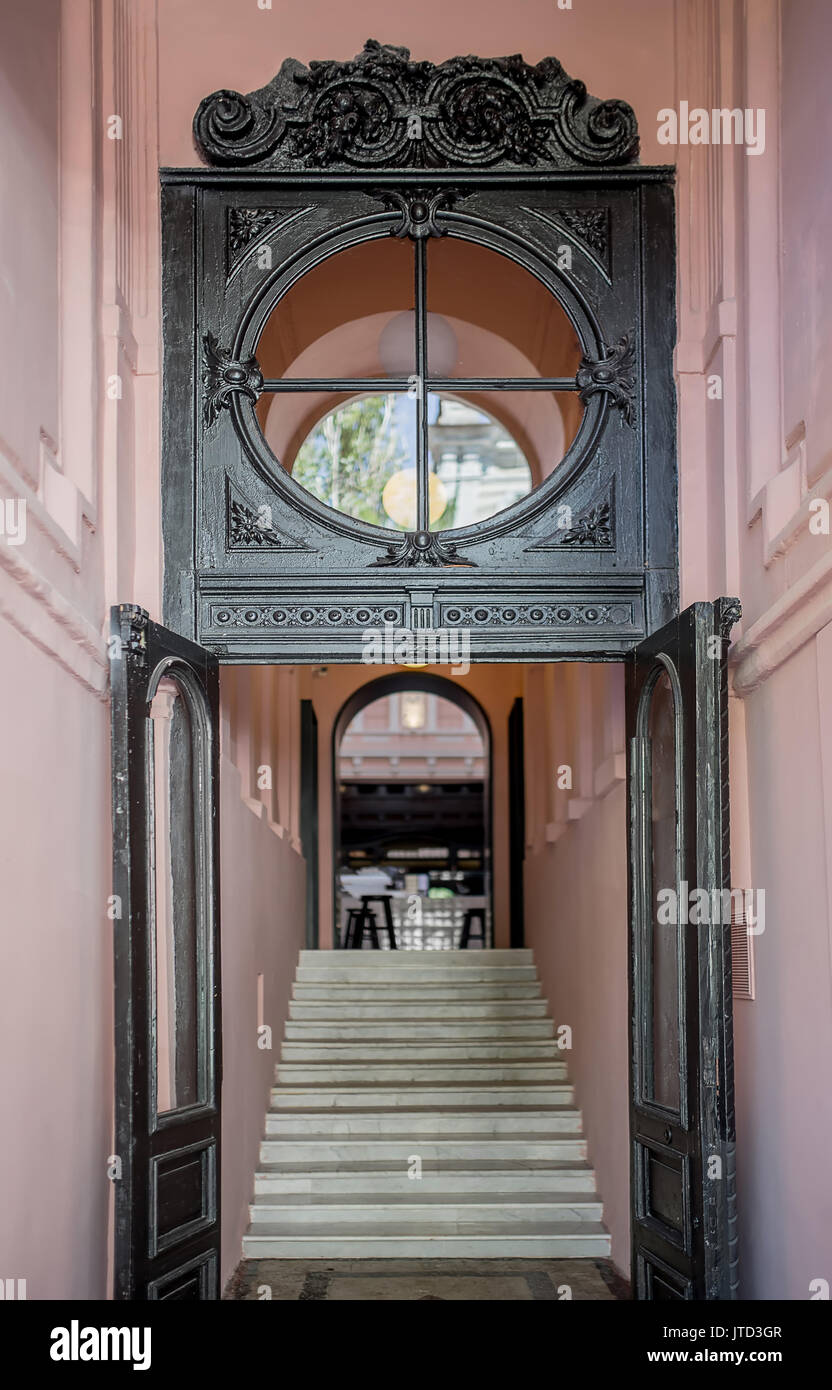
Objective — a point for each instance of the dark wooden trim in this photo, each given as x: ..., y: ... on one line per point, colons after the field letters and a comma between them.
x: 309, y: 833
x: 180, y: 257
x: 516, y: 822
x: 632, y: 177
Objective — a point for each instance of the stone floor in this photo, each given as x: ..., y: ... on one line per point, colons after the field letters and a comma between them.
x: 339, y: 1281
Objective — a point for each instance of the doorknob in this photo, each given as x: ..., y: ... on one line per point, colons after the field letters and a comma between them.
x: 668, y: 1135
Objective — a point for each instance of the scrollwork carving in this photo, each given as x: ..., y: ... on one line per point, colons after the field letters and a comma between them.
x: 730, y: 612
x: 614, y: 375
x: 422, y: 548
x: 418, y: 210
x: 222, y: 375
x: 381, y: 109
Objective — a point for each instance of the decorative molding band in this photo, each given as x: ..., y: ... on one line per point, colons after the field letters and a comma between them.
x: 298, y: 615
x: 382, y: 111
x: 792, y: 621
x: 50, y: 622
x: 525, y: 615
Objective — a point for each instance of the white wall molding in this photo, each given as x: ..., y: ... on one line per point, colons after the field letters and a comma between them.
x: 38, y: 611
x: 794, y: 619
x: 609, y: 773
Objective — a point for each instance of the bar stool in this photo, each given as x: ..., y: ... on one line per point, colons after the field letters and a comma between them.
x: 467, y: 927
x: 365, y: 921
x: 384, y: 899
x: 354, y: 916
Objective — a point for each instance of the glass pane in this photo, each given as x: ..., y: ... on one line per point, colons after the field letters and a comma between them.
x: 665, y: 966
x: 175, y: 897
x: 357, y: 454
x: 488, y: 449
x: 493, y: 318
x: 350, y: 316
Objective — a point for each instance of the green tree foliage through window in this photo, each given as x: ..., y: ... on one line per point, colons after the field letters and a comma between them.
x: 349, y: 456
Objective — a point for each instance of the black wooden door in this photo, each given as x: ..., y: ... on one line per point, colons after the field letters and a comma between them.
x: 516, y: 822
x: 682, y: 1092
x: 309, y: 815
x: 165, y: 770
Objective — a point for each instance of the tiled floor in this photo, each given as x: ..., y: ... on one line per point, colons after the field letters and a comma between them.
x: 338, y: 1281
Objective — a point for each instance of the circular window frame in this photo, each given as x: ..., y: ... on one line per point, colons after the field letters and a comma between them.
x: 464, y: 227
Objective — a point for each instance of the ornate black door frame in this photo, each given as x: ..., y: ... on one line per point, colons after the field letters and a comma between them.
x: 514, y: 158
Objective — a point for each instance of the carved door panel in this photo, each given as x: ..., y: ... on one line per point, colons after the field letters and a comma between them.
x: 165, y: 769
x: 682, y: 1076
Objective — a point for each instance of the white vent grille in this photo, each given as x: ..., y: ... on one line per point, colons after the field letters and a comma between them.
x: 742, y: 948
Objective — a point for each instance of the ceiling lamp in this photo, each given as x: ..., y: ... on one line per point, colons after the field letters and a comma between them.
x: 414, y: 710
x: 399, y: 498
x: 397, y: 345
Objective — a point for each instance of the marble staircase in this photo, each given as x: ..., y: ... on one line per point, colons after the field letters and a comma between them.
x: 422, y: 1109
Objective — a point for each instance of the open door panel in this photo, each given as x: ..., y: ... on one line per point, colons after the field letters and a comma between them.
x: 682, y: 1079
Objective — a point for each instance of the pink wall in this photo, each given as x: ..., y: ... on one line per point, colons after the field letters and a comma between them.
x: 576, y: 901
x: 576, y: 922
x: 206, y: 44
x: 263, y: 893
x: 56, y: 977
x: 784, y: 1037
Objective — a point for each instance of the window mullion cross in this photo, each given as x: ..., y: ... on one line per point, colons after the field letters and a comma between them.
x: 421, y: 317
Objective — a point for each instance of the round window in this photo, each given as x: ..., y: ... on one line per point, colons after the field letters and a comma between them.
x: 419, y: 387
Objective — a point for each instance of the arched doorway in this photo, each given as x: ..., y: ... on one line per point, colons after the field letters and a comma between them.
x: 412, y: 815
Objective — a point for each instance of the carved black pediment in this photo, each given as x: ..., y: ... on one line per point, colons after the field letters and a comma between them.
x: 382, y: 110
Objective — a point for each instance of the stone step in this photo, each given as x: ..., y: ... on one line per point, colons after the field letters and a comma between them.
x: 405, y: 960
x: 401, y: 1149
x: 520, y: 1050
x: 380, y: 1073
x: 403, y: 1031
x: 387, y: 1124
x: 421, y: 1209
x: 412, y: 1011
x: 555, y: 1240
x: 446, y: 1176
x: 386, y: 1098
x: 347, y: 991
x: 391, y: 974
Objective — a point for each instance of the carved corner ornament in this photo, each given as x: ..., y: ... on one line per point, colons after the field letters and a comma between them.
x: 730, y: 612
x: 250, y: 527
x: 422, y: 548
x: 382, y: 110
x: 246, y: 223
x: 222, y: 375
x: 614, y: 375
x: 418, y: 210
x: 593, y: 530
x: 132, y: 633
